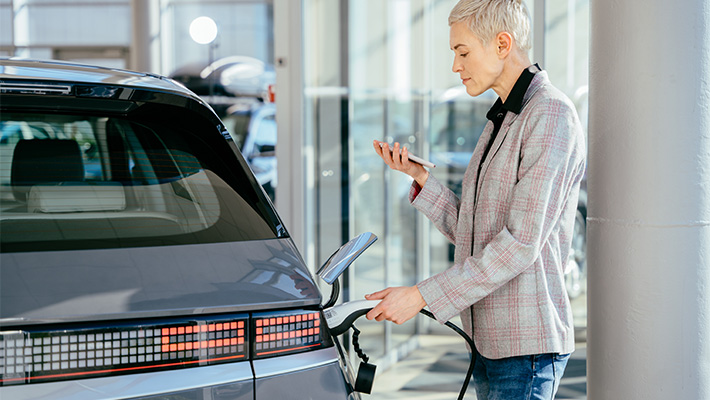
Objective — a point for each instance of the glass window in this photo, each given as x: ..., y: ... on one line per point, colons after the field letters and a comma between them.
x: 86, y: 181
x: 567, y: 62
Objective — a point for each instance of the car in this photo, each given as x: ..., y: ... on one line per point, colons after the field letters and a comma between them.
x: 139, y: 256
x: 457, y: 123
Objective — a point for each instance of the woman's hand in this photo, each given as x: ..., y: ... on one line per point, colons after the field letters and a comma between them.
x: 399, y: 304
x: 400, y: 161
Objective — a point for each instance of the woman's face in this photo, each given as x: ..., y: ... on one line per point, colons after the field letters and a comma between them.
x: 478, y: 66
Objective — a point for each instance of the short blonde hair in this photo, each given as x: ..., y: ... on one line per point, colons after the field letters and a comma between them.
x: 488, y: 18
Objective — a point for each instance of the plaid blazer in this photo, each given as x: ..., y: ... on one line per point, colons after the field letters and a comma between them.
x: 512, y: 230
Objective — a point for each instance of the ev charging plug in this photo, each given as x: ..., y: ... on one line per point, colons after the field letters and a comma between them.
x: 341, y: 317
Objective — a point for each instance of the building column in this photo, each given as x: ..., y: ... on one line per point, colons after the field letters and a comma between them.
x: 291, y: 152
x: 649, y: 200
x: 145, y: 36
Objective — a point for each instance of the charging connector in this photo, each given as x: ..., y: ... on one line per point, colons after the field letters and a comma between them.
x: 341, y: 317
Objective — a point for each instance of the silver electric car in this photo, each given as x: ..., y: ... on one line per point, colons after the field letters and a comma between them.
x: 139, y: 257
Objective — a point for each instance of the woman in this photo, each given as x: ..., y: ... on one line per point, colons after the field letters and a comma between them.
x: 512, y: 226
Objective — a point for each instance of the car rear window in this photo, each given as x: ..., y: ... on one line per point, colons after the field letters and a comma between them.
x: 71, y: 181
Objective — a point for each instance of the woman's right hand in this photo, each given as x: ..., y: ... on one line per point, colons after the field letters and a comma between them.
x: 399, y: 161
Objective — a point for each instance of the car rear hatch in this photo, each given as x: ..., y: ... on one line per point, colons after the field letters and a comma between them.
x: 135, y: 238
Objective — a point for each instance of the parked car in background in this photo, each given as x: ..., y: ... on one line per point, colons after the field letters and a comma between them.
x: 139, y: 256
x: 236, y: 87
x: 457, y: 122
x: 252, y: 124
x: 237, y: 76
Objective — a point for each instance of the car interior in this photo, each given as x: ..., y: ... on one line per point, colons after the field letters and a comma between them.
x: 105, y: 178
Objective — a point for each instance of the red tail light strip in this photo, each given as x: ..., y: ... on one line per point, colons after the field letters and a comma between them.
x: 286, y: 333
x: 40, y: 355
x: 30, y: 356
x: 208, y: 336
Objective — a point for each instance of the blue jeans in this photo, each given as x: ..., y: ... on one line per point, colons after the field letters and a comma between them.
x: 519, y: 378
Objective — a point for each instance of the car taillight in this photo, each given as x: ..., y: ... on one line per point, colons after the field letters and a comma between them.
x: 28, y: 356
x: 90, y: 350
x: 287, y: 332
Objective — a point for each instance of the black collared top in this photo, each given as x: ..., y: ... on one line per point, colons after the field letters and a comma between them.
x: 514, y: 103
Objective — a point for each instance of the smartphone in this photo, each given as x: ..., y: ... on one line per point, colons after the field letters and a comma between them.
x: 416, y: 159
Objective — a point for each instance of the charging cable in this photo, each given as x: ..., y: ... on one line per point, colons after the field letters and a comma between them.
x: 342, y: 317
x: 471, y: 345
x: 366, y: 372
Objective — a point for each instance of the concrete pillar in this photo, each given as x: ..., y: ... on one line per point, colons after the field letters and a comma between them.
x: 291, y: 153
x: 145, y: 36
x: 649, y: 200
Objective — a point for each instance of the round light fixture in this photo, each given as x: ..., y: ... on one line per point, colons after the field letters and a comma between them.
x: 203, y: 30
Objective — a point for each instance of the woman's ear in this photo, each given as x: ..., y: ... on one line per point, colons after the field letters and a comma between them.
x: 504, y: 44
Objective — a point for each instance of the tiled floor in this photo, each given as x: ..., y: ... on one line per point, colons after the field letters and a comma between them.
x: 435, y: 371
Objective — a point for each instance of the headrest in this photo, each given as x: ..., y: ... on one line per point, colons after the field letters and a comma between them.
x: 76, y: 197
x: 40, y: 161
